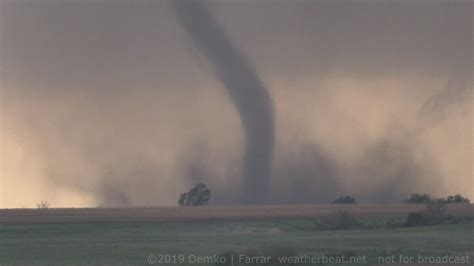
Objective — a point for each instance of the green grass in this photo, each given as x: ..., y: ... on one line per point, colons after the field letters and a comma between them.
x: 131, y: 243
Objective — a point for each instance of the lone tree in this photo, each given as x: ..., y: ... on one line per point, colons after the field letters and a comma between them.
x: 344, y: 200
x: 197, y: 196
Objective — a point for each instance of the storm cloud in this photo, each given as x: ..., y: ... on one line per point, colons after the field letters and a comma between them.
x: 112, y: 103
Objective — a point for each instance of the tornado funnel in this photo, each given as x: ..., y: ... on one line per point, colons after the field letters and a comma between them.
x: 246, y: 91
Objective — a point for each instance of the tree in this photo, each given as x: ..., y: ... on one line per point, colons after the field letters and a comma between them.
x: 458, y: 198
x: 197, y: 196
x: 425, y: 198
x: 344, y: 200
x: 418, y: 198
x: 44, y: 204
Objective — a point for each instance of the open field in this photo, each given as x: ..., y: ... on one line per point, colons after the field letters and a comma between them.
x: 206, y: 213
x: 129, y: 236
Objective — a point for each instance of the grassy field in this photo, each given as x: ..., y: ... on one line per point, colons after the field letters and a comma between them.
x: 115, y: 240
x: 206, y: 213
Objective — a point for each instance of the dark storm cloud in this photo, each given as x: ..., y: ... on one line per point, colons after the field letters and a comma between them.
x: 354, y: 37
x: 114, y: 44
x: 87, y: 86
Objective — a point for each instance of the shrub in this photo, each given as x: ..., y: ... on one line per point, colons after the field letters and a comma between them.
x: 344, y: 200
x: 458, y: 198
x: 434, y: 214
x: 197, y: 196
x: 418, y: 198
x: 425, y: 198
x: 44, y: 204
x: 416, y: 219
x: 340, y: 221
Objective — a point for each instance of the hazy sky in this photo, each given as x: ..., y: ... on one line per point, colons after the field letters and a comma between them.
x: 110, y: 103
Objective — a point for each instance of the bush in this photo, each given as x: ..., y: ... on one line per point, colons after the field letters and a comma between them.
x: 344, y: 200
x: 44, y: 204
x: 340, y: 221
x: 416, y: 219
x: 426, y: 219
x: 425, y: 198
x: 197, y: 196
x: 434, y: 214
x: 418, y: 198
x: 458, y: 198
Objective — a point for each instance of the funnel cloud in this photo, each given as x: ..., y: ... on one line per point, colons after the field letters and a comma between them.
x: 245, y: 89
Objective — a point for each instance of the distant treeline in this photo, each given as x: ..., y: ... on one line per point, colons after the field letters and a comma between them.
x: 425, y: 198
x: 201, y: 194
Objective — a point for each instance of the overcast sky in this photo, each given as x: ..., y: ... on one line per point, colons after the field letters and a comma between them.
x: 110, y: 103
